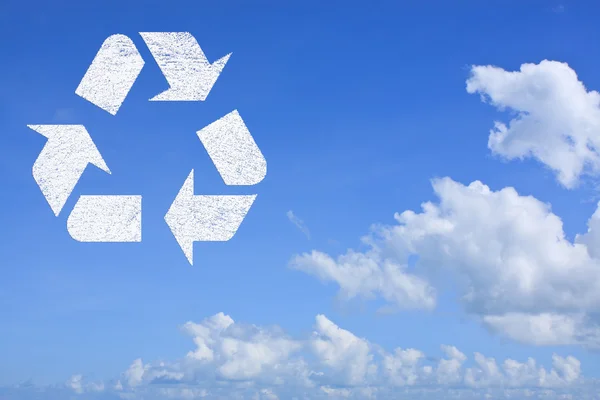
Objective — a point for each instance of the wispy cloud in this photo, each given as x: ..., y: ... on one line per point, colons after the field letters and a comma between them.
x: 299, y: 223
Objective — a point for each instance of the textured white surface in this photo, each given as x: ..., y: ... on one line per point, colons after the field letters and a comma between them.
x: 233, y: 150
x: 63, y: 159
x: 112, y: 74
x: 205, y: 218
x: 106, y: 219
x: 184, y: 65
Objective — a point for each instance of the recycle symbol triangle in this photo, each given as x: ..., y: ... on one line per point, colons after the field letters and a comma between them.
x: 118, y: 218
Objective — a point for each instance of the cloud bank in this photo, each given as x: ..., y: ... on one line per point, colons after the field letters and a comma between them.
x: 232, y: 360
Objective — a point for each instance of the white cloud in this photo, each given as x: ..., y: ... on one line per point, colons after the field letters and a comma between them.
x: 403, y: 368
x: 238, y: 361
x: 545, y: 329
x: 299, y: 223
x: 565, y: 370
x: 342, y: 352
x: 557, y: 119
x: 77, y: 384
x: 449, y: 368
x: 506, y: 253
x: 368, y: 275
x: 183, y: 393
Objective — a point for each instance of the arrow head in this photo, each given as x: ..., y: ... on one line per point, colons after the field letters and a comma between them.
x: 176, y: 217
x: 73, y: 140
x: 184, y: 65
x: 205, y: 218
x: 62, y: 161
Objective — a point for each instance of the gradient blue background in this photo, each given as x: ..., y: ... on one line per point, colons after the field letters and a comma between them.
x: 355, y: 105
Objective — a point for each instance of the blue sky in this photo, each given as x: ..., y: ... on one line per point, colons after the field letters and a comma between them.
x: 355, y: 106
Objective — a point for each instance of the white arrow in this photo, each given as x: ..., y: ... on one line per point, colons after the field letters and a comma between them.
x: 63, y: 159
x: 205, y: 218
x: 112, y: 73
x: 184, y: 65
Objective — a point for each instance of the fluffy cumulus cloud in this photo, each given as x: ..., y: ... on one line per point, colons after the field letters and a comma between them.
x: 231, y: 360
x: 344, y: 355
x: 557, y: 119
x: 506, y: 253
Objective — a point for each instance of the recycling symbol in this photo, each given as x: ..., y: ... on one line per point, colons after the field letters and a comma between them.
x: 118, y: 218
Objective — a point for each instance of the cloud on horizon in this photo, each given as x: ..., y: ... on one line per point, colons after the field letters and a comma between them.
x: 236, y: 360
